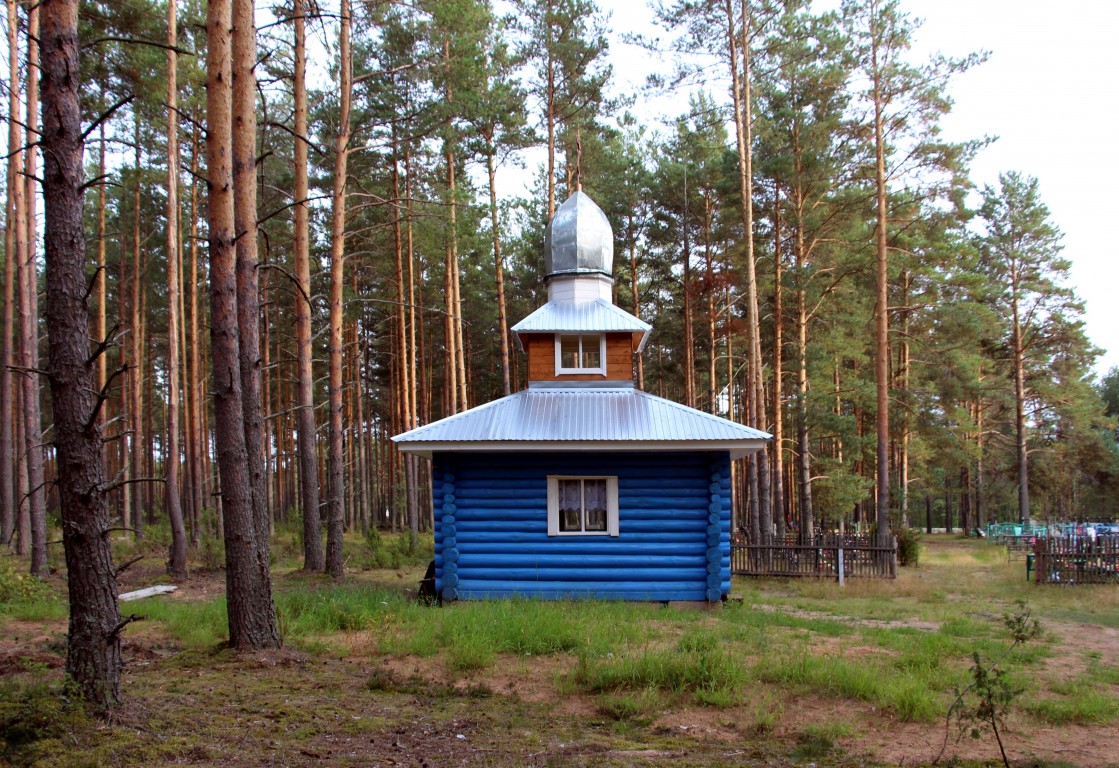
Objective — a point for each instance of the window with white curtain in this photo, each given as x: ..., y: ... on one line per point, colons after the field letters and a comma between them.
x: 582, y: 506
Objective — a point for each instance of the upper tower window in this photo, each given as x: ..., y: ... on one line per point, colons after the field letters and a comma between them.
x: 582, y: 353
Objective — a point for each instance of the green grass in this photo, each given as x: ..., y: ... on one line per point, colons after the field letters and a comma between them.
x: 1080, y: 704
x: 25, y: 597
x: 910, y: 695
x: 713, y: 676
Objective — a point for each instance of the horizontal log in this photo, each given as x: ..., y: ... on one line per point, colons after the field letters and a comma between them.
x: 597, y: 546
x: 606, y: 562
x: 648, y: 593
x: 653, y: 540
x: 605, y: 575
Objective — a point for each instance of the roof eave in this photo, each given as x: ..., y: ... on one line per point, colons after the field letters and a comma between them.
x: 425, y: 448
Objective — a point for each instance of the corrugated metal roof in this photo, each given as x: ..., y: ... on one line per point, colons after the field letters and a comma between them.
x: 581, y: 317
x: 618, y: 417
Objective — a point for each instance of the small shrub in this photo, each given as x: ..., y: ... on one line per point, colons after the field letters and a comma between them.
x: 212, y: 553
x: 909, y: 547
x: 987, y: 700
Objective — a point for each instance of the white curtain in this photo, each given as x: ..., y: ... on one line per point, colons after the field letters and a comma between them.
x: 594, y: 499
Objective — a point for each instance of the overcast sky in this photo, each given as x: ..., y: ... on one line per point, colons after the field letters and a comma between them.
x: 1049, y: 91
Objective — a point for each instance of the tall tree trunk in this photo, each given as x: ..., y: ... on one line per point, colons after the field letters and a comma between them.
x: 336, y: 514
x: 136, y: 358
x: 405, y: 370
x: 199, y: 447
x: 755, y: 390
x: 252, y: 615
x: 709, y: 287
x: 689, y: 326
x: 550, y: 122
x: 498, y: 269
x: 903, y: 353
x: 93, y: 650
x: 803, y: 455
x: 411, y: 462
x: 305, y: 397
x: 779, y: 512
x: 881, y: 310
x: 248, y: 300
x: 1018, y: 350
x: 177, y: 564
x: 637, y: 310
x: 980, y: 441
x: 29, y: 318
x: 13, y: 235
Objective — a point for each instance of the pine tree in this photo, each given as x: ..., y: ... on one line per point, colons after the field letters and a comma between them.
x: 1022, y: 254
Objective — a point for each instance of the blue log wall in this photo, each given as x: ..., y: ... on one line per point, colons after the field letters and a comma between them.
x: 491, y: 527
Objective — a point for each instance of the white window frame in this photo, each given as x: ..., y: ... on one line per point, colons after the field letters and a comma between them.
x: 611, y: 505
x: 601, y: 369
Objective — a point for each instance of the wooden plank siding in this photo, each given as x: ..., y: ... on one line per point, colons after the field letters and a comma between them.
x: 498, y: 539
x: 541, y: 351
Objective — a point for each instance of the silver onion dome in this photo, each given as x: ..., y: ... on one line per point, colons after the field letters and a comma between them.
x: 579, y: 240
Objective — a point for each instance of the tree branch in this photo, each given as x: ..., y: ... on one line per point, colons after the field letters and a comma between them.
x: 105, y: 116
x: 125, y: 566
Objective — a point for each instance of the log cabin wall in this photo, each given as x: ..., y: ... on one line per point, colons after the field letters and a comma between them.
x: 492, y: 540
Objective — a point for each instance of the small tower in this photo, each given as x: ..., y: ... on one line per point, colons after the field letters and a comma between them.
x: 580, y: 335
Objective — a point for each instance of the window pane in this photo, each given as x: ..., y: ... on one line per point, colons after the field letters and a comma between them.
x: 569, y: 352
x: 569, y: 521
x: 591, y: 352
x: 594, y: 501
x: 570, y: 506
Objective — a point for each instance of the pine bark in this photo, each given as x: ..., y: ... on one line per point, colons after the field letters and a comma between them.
x: 305, y: 400
x: 29, y: 318
x: 779, y: 512
x: 93, y: 652
x: 197, y: 476
x: 251, y: 613
x: 881, y: 310
x: 803, y: 453
x: 498, y: 269
x: 136, y: 358
x: 177, y: 565
x: 335, y: 461
x: 248, y: 300
x: 9, y: 502
x: 1018, y: 350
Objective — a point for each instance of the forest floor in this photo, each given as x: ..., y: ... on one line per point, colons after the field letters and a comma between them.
x: 366, y: 692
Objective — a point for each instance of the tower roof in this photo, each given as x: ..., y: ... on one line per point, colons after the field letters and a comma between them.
x: 578, y: 240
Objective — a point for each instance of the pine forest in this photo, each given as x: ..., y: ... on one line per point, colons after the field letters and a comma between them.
x: 247, y: 245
